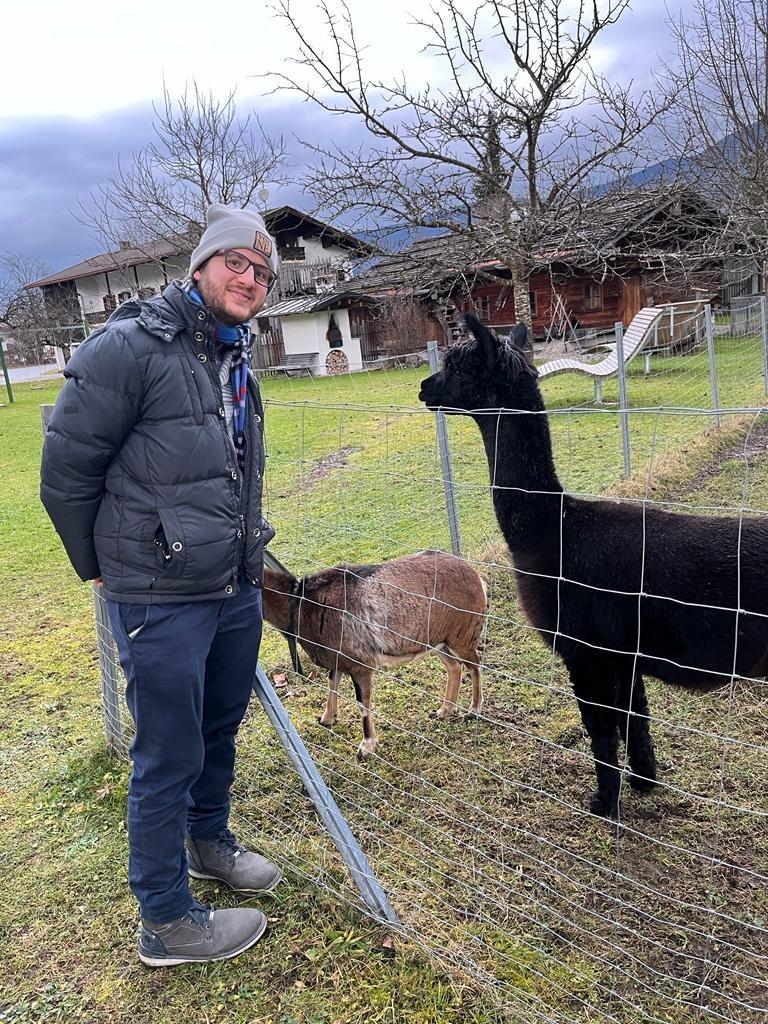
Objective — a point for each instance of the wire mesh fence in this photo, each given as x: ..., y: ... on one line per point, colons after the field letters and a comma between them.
x: 479, y: 828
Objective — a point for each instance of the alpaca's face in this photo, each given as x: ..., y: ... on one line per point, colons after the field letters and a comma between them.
x: 464, y: 383
x: 482, y: 373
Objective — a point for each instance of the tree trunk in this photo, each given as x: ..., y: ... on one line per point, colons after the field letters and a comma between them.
x: 521, y: 283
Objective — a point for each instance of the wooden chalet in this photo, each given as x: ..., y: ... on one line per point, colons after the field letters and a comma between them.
x: 633, y: 250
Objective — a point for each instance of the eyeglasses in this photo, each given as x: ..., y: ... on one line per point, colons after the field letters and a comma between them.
x: 238, y: 264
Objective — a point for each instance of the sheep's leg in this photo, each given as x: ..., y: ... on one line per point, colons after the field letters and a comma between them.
x: 452, y: 685
x: 476, y: 707
x: 635, y: 730
x: 363, y: 682
x: 597, y: 704
x: 330, y: 715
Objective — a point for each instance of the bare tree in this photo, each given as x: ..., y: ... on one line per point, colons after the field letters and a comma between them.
x: 507, y: 154
x: 203, y: 153
x: 17, y: 270
x: 720, y: 123
x: 34, y: 321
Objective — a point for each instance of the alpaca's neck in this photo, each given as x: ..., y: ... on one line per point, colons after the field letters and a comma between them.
x: 526, y: 490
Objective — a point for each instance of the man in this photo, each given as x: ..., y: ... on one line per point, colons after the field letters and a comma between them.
x: 152, y: 475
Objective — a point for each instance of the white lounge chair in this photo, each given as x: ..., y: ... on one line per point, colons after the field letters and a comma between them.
x: 636, y: 337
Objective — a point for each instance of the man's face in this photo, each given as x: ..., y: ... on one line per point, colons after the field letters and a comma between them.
x: 232, y: 298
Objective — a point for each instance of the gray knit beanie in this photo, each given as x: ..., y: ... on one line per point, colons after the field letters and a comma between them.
x: 232, y: 228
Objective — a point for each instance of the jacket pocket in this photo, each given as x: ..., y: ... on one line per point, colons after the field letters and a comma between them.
x: 256, y: 541
x: 267, y: 531
x: 194, y: 391
x: 172, y: 542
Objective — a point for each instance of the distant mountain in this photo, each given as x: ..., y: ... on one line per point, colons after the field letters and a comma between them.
x: 391, y: 240
x: 396, y: 237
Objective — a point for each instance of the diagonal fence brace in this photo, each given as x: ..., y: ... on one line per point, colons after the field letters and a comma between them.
x: 328, y: 810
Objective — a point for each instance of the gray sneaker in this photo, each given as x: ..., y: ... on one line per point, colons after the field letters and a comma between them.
x: 201, y: 935
x: 225, y: 860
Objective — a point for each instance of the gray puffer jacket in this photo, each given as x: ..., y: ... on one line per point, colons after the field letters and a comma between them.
x: 140, y: 474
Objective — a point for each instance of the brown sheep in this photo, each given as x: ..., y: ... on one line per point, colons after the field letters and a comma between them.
x: 354, y: 619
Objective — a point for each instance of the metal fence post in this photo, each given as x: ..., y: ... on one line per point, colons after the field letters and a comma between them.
x: 764, y: 334
x: 712, y: 366
x: 445, y: 459
x: 110, y: 682
x: 623, y: 410
x: 4, y: 368
x: 373, y: 895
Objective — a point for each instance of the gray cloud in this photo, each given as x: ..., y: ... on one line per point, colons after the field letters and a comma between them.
x: 46, y: 166
x: 49, y: 166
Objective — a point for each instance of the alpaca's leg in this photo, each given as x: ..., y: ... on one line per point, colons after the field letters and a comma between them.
x: 330, y: 714
x: 635, y: 730
x: 596, y: 694
x: 452, y: 685
x: 363, y: 681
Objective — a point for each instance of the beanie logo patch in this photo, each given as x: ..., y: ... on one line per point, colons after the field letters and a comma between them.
x: 262, y: 243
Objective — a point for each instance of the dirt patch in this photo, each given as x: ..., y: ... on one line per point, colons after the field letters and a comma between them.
x: 321, y: 469
x: 325, y: 466
x: 753, y: 445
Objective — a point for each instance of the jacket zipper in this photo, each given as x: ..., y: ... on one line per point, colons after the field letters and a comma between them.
x: 249, y: 439
x: 242, y: 481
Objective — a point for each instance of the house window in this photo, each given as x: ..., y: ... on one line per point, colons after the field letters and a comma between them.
x: 532, y: 300
x: 110, y: 303
x: 593, y: 295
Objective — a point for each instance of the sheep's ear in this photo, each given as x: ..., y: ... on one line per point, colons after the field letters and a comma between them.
x: 486, y: 340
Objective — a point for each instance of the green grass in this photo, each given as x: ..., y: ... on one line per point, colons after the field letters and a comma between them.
x: 482, y: 864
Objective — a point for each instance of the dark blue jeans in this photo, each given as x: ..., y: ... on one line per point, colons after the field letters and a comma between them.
x: 190, y: 669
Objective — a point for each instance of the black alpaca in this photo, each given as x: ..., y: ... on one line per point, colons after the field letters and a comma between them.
x: 621, y: 589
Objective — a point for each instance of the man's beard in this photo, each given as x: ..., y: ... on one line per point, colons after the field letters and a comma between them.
x: 214, y: 307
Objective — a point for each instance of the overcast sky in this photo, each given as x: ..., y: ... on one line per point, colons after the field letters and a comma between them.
x: 77, y: 81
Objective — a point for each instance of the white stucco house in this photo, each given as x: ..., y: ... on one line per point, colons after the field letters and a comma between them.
x: 316, y: 260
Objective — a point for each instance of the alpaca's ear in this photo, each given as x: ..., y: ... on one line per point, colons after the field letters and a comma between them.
x: 486, y: 340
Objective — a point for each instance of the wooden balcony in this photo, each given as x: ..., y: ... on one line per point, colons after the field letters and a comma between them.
x: 308, y: 279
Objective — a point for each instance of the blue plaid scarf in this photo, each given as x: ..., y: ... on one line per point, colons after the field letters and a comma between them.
x: 236, y: 338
